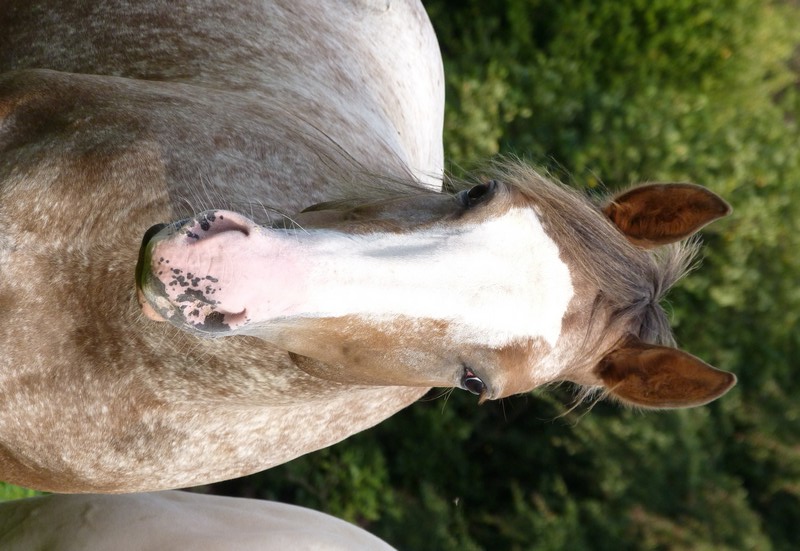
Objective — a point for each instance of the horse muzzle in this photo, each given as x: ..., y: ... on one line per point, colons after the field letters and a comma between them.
x: 220, y: 273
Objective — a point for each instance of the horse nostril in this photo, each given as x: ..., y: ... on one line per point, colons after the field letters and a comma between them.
x: 155, y: 229
x: 143, y: 263
x: 148, y: 235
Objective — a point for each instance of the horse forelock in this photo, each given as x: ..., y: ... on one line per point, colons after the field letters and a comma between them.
x: 631, y: 281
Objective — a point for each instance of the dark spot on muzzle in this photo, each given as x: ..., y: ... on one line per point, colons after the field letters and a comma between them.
x: 206, y: 219
x: 214, y: 323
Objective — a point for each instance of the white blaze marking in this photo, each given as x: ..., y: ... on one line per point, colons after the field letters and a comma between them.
x: 493, y: 282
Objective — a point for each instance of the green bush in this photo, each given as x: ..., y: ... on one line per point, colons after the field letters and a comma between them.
x: 9, y: 492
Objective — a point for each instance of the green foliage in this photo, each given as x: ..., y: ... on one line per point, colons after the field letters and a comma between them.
x: 9, y: 492
x: 354, y: 467
x: 609, y: 93
x: 615, y: 90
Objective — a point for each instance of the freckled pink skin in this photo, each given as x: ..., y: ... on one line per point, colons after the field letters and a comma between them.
x: 234, y: 268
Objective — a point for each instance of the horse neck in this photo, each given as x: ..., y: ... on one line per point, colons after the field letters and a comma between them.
x: 367, y: 80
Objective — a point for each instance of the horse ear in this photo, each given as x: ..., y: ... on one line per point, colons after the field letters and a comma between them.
x: 660, y: 377
x: 657, y: 214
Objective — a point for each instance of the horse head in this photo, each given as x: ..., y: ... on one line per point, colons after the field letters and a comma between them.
x: 497, y: 289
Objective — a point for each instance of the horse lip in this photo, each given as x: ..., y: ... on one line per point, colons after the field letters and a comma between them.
x: 143, y: 274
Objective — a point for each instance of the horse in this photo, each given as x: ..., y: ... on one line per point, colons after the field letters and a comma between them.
x: 227, y: 244
x: 173, y: 520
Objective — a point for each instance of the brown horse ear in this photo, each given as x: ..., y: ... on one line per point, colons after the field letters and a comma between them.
x: 660, y: 377
x: 657, y: 214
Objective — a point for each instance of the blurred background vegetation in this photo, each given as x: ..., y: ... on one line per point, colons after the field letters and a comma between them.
x: 605, y: 93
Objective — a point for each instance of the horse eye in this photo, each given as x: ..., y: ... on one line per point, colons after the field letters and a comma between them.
x: 472, y: 383
x: 476, y: 194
